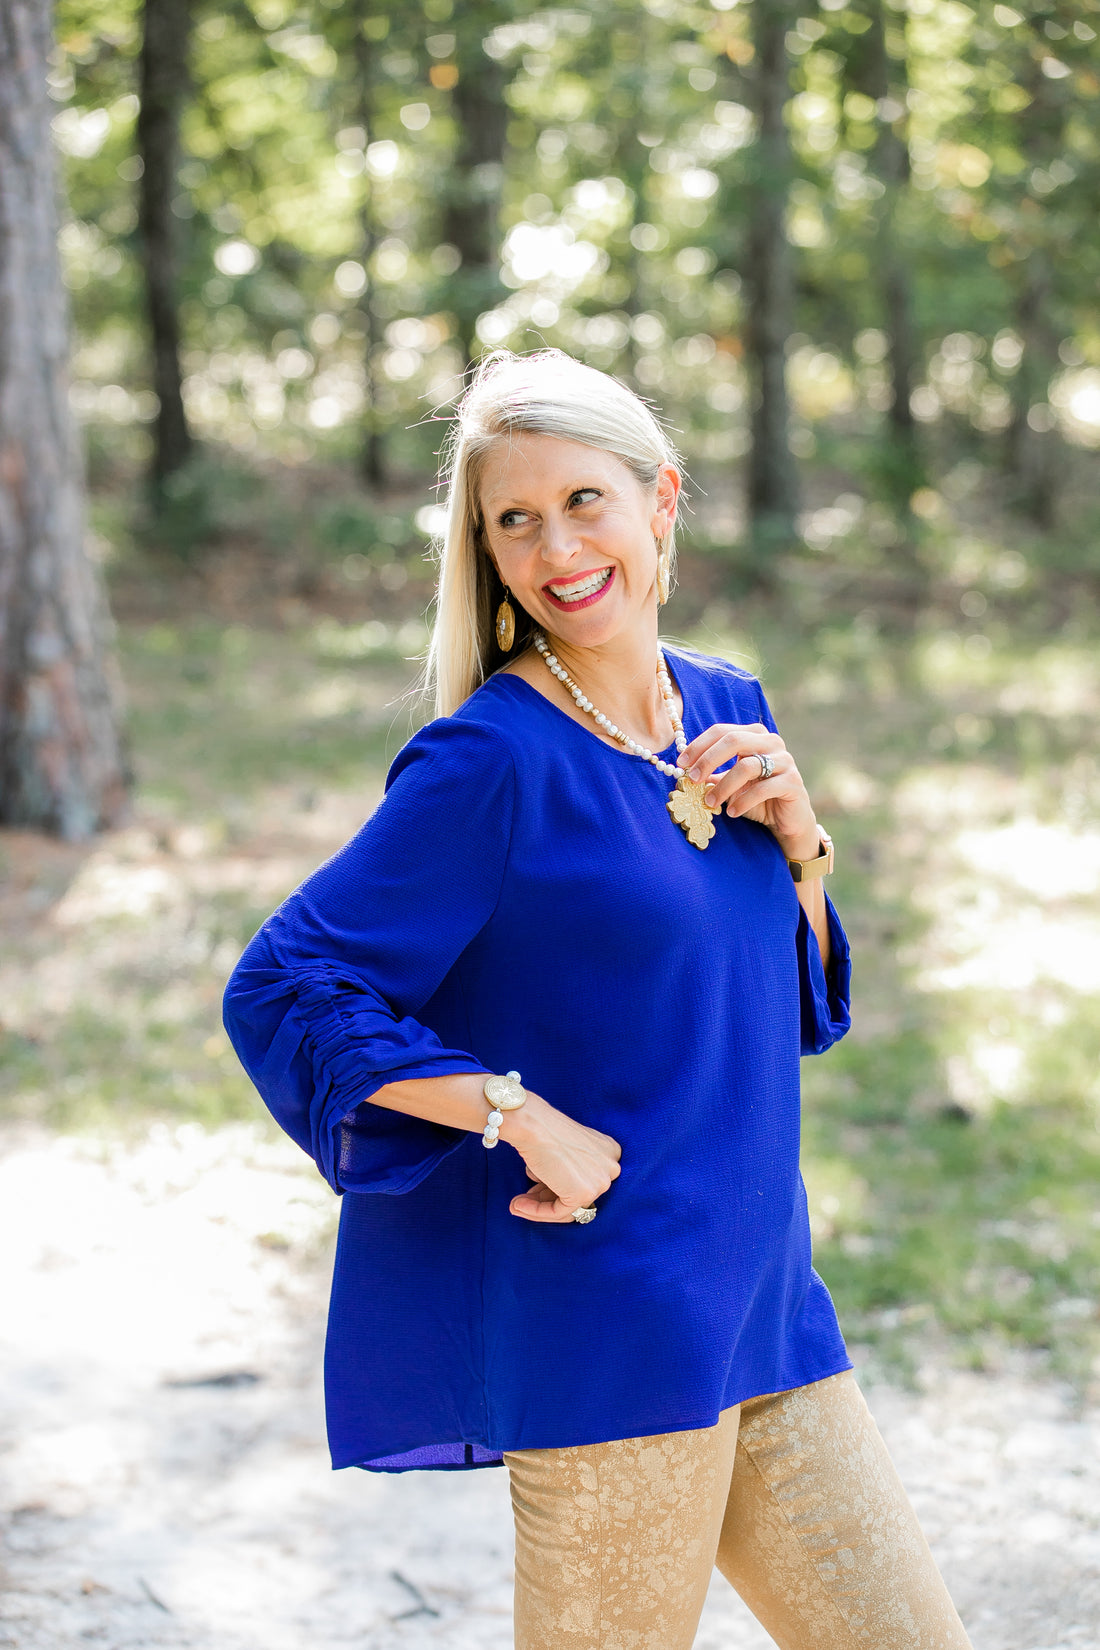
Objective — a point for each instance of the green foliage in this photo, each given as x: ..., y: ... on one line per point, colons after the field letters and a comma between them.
x: 932, y: 658
x: 952, y: 1141
x: 321, y: 301
x: 203, y: 503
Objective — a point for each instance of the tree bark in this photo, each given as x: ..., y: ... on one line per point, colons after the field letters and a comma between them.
x: 372, y: 458
x: 61, y: 762
x: 1033, y: 453
x: 883, y: 80
x: 632, y: 56
x: 773, y: 492
x: 164, y: 86
x: 472, y: 211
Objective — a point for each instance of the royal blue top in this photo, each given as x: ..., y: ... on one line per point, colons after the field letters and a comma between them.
x: 522, y: 899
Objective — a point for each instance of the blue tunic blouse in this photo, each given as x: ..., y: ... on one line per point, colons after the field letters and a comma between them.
x: 522, y: 899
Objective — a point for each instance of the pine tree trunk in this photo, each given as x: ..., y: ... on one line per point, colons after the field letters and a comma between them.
x: 471, y: 216
x: 773, y: 492
x: 372, y: 457
x: 874, y: 73
x: 1033, y: 451
x: 164, y: 84
x: 885, y: 82
x: 61, y: 763
x: 631, y: 64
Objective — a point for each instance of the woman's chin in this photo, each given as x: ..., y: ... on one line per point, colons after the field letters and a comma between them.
x: 591, y: 627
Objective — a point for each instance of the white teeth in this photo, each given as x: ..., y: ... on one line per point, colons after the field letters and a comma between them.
x: 576, y: 592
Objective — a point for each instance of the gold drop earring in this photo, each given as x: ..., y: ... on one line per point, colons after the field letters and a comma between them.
x: 506, y: 623
x: 663, y: 560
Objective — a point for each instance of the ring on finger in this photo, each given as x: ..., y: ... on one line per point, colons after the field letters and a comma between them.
x: 767, y: 766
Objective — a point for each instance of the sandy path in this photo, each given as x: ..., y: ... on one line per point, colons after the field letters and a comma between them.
x: 141, y: 1513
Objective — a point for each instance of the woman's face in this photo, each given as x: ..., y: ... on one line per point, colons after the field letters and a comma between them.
x: 571, y: 531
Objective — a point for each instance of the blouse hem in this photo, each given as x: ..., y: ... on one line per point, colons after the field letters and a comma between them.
x: 710, y: 1419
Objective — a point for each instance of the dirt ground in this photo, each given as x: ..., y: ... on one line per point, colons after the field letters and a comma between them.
x: 165, y: 1480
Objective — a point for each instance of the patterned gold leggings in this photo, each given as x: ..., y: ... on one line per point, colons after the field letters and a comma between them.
x: 793, y: 1496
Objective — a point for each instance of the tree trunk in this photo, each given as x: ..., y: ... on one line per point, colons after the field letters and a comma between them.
x: 164, y: 85
x: 772, y: 474
x: 886, y: 83
x: 638, y: 99
x: 61, y: 764
x: 471, y: 216
x: 1033, y: 447
x: 372, y: 458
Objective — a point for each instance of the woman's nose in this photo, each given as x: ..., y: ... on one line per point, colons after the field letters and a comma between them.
x: 560, y: 540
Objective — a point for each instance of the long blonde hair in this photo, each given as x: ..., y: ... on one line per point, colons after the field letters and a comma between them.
x: 544, y: 393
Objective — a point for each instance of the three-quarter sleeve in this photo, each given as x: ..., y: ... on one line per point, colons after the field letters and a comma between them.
x: 825, y: 994
x: 322, y: 1007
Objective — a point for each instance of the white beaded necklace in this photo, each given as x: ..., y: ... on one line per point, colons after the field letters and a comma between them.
x: 685, y: 803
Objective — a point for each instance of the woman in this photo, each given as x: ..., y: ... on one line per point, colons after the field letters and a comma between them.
x: 597, y: 871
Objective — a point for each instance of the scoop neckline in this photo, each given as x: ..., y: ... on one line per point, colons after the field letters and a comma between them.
x: 616, y: 749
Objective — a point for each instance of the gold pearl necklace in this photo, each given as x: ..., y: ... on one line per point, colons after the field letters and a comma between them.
x: 685, y: 803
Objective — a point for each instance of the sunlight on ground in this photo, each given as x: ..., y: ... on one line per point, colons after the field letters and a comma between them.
x: 998, y: 905
x: 166, y: 1474
x: 1013, y: 915
x: 187, y: 1253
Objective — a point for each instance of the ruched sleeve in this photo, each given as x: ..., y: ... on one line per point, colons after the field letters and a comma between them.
x: 322, y: 1007
x: 825, y: 995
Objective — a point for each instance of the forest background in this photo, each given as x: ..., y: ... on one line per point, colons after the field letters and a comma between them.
x: 851, y: 251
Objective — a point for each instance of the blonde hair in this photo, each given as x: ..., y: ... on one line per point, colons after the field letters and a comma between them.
x: 544, y: 393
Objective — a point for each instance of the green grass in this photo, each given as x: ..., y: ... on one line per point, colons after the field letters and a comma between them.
x: 221, y: 711
x: 952, y: 1141
x: 952, y: 1152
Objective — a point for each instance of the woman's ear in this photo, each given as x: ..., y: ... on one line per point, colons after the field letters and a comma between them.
x: 669, y: 483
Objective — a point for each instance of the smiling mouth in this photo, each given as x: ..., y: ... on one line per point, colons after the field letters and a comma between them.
x: 581, y: 591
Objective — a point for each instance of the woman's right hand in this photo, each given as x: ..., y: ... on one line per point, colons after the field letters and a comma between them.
x: 570, y: 1164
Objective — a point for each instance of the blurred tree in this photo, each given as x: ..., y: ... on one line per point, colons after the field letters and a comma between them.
x: 370, y: 26
x: 772, y: 482
x: 630, y: 70
x: 880, y: 75
x: 61, y: 763
x: 473, y: 188
x: 361, y: 219
x: 1033, y: 453
x: 163, y: 89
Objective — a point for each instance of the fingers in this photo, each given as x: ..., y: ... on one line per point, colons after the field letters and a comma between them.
x: 703, y: 741
x: 543, y: 1214
x: 742, y: 787
x: 724, y: 741
x: 750, y: 797
x: 541, y: 1203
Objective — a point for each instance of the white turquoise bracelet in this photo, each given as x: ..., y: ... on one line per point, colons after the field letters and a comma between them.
x: 503, y: 1094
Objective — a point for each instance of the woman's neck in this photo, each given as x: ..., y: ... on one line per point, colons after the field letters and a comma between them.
x: 620, y: 678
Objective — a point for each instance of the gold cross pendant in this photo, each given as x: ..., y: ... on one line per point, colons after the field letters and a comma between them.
x: 690, y: 812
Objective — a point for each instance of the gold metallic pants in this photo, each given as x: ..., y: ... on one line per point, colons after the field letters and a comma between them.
x: 794, y: 1498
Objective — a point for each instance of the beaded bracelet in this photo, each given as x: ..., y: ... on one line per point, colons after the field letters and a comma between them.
x: 503, y: 1094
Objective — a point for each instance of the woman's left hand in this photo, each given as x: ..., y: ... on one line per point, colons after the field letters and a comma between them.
x: 781, y: 802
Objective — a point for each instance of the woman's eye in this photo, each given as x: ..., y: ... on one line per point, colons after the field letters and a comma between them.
x: 510, y: 518
x: 585, y: 494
